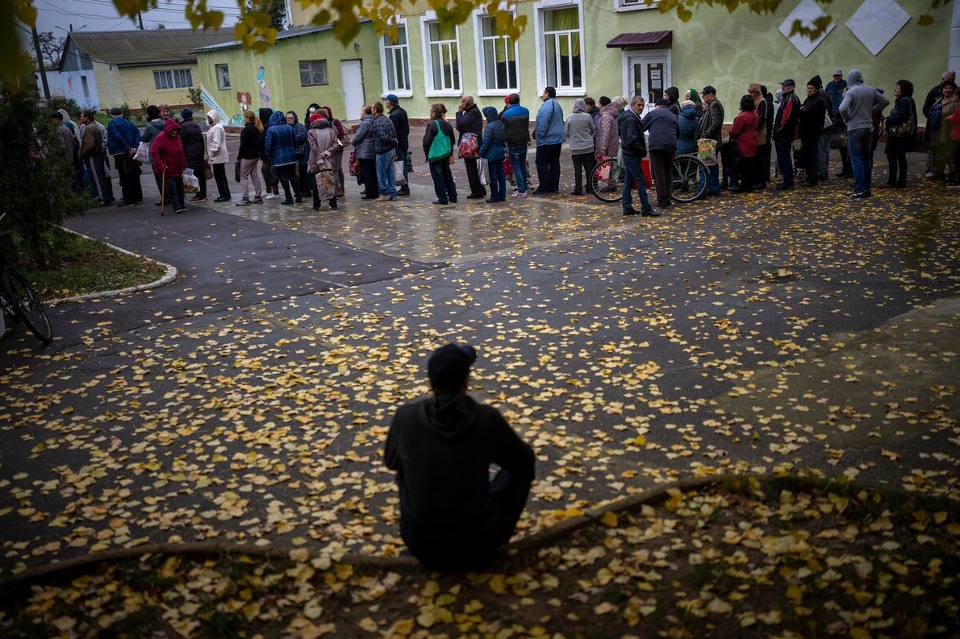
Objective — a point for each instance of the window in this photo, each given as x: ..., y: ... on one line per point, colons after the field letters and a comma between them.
x: 313, y: 72
x: 173, y: 79
x: 85, y: 86
x: 498, y: 58
x: 395, y: 61
x: 561, y: 48
x: 635, y: 4
x: 223, y: 76
x: 442, y: 66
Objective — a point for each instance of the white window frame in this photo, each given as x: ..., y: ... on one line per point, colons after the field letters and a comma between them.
x: 549, y: 5
x: 326, y: 72
x: 400, y: 93
x: 478, y: 17
x: 172, y: 75
x: 431, y: 91
x: 220, y: 84
x: 634, y: 5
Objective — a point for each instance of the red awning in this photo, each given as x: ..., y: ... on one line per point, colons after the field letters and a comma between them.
x: 643, y: 40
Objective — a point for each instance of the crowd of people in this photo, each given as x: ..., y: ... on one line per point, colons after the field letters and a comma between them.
x: 306, y: 157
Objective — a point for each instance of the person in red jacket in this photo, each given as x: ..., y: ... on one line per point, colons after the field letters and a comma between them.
x: 166, y: 152
x: 744, y: 133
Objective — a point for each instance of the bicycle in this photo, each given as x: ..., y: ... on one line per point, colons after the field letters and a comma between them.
x: 689, y: 179
x: 17, y: 297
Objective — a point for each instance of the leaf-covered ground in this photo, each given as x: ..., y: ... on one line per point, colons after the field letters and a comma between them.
x: 762, y: 333
x: 785, y: 558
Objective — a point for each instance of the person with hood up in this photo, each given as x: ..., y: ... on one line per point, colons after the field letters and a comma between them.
x: 322, y: 142
x: 857, y: 109
x: 217, y: 152
x: 194, y: 148
x: 548, y: 132
x: 365, y: 144
x: 153, y: 128
x: 470, y: 120
x: 266, y: 169
x: 169, y: 162
x: 579, y: 131
x: 607, y: 134
x: 694, y: 96
x: 492, y: 150
x: 280, y: 145
x: 662, y: 145
x: 672, y: 95
x: 453, y: 516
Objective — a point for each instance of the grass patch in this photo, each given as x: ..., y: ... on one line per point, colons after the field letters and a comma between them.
x: 80, y: 266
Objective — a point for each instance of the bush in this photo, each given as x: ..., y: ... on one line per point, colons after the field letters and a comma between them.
x: 37, y: 182
x: 69, y: 105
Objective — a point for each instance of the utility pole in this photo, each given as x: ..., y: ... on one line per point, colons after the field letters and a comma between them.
x: 40, y: 63
x: 140, y: 18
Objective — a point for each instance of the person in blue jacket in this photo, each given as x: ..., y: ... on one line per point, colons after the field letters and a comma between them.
x: 548, y: 131
x: 280, y: 145
x: 492, y: 150
x: 123, y: 138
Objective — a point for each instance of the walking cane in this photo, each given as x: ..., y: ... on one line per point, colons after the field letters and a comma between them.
x: 163, y: 190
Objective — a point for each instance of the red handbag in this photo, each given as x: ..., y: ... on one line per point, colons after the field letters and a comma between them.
x: 354, y: 164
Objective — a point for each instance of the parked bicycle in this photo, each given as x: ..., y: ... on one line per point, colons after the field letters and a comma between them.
x: 689, y: 181
x: 18, y: 298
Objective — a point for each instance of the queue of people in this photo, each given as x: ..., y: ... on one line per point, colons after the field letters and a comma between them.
x: 279, y: 150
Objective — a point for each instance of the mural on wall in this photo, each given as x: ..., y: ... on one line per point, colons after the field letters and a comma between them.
x: 244, y: 100
x: 264, y: 89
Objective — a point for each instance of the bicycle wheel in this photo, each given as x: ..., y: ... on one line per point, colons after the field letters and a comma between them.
x: 27, y: 305
x: 607, y: 180
x: 689, y: 178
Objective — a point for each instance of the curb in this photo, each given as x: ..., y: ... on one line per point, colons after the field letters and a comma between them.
x: 218, y: 549
x: 169, y: 276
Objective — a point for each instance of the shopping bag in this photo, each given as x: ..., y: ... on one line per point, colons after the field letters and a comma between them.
x: 398, y: 172
x: 236, y: 171
x: 354, y: 164
x: 409, y: 160
x: 440, y: 147
x: 142, y: 154
x: 507, y: 167
x: 469, y: 146
x: 191, y: 182
x: 483, y: 172
x: 707, y: 150
x: 208, y: 171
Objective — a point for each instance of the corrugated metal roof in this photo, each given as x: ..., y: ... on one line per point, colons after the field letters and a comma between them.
x: 642, y: 40
x: 283, y: 35
x: 130, y: 48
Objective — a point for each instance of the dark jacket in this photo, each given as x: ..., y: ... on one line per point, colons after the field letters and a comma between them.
x: 264, y: 114
x: 663, y: 128
x: 279, y: 142
x: 384, y: 135
x: 401, y: 124
x: 249, y: 142
x: 431, y: 132
x: 687, y: 124
x: 785, y: 122
x: 193, y: 142
x: 122, y: 135
x: 711, y: 124
x: 933, y: 95
x: 166, y: 152
x: 811, y: 117
x: 470, y: 121
x: 903, y: 109
x: 441, y: 448
x: 152, y: 130
x: 673, y: 95
x: 299, y: 138
x: 491, y: 149
x: 516, y: 124
x: 631, y: 137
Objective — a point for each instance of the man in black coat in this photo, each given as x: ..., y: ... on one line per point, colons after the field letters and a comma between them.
x: 470, y: 120
x: 193, y: 148
x: 634, y: 148
x: 401, y: 125
x: 453, y: 516
x: 812, y: 117
x: 784, y: 132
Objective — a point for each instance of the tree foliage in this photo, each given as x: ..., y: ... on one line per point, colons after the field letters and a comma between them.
x: 258, y: 25
x: 277, y: 9
x: 38, y: 181
x: 51, y: 49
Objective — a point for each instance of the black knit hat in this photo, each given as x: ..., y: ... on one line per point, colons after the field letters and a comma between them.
x: 449, y: 366
x: 815, y: 81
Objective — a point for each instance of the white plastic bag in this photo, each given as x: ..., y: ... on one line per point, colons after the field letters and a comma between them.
x: 191, y: 182
x: 142, y: 154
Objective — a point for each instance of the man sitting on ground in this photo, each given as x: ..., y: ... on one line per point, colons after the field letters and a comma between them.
x: 453, y: 516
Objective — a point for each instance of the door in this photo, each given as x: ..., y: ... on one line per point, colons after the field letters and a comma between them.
x: 647, y: 74
x: 353, y: 97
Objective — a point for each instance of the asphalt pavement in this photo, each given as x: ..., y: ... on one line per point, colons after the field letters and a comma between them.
x: 247, y: 400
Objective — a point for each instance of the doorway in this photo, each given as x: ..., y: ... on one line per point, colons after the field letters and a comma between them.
x: 646, y: 73
x: 353, y: 96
